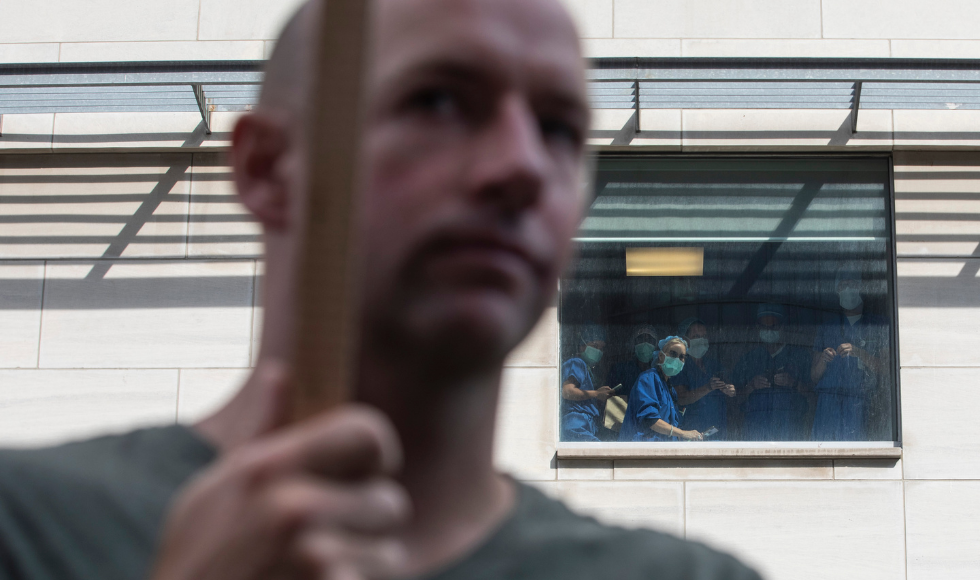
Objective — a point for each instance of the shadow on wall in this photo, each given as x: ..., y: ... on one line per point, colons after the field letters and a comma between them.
x: 112, y: 206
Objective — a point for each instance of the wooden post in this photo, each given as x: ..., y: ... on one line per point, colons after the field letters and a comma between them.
x: 327, y: 302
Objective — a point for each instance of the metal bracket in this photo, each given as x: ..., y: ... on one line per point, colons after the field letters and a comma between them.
x: 855, y: 106
x: 204, y: 106
x: 636, y: 104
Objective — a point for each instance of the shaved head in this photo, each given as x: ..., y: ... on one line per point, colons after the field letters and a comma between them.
x: 290, y: 68
x: 472, y: 164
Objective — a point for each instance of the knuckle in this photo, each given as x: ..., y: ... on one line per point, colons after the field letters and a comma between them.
x: 370, y: 429
x: 283, y: 514
x: 250, y: 466
x: 391, y: 499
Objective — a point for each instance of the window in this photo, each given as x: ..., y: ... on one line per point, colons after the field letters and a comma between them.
x: 776, y: 272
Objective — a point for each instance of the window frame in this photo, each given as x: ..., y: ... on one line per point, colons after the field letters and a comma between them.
x: 882, y: 450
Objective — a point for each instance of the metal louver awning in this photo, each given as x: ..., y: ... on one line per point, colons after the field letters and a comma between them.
x: 614, y: 83
x: 131, y: 87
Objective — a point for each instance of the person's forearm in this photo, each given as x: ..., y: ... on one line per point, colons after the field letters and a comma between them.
x: 663, y: 427
x: 693, y: 396
x: 816, y: 373
x: 573, y: 393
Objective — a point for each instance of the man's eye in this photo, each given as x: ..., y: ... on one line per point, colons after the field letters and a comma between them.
x: 439, y: 103
x: 561, y: 131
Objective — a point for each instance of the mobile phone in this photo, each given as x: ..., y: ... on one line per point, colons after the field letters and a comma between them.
x: 618, y: 388
x: 710, y: 432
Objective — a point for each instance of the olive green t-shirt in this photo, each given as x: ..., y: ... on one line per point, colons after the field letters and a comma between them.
x: 93, y: 510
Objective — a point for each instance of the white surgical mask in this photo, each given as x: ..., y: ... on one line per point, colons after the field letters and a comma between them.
x: 768, y: 335
x: 850, y: 298
x: 699, y: 346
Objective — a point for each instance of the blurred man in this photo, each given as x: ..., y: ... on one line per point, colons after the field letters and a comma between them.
x: 472, y: 170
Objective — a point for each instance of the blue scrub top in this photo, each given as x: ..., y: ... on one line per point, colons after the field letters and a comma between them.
x: 580, y: 419
x: 843, y: 391
x: 626, y: 373
x: 776, y: 413
x: 710, y: 410
x: 652, y: 398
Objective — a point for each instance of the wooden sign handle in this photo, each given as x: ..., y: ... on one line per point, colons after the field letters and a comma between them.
x: 327, y: 297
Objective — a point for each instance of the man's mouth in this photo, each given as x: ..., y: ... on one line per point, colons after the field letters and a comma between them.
x: 480, y: 258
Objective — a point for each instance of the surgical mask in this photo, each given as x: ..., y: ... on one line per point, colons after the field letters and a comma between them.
x: 699, y: 346
x: 592, y: 355
x: 850, y: 298
x: 672, y: 366
x: 645, y: 352
x: 769, y: 335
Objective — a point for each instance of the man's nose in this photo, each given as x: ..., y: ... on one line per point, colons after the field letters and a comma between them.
x: 510, y: 164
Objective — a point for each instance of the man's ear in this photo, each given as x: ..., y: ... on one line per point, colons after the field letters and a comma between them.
x: 259, y: 146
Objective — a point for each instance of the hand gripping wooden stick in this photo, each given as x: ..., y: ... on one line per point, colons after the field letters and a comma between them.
x: 327, y: 295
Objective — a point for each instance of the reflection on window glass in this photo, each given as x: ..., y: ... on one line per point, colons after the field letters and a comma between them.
x: 731, y: 300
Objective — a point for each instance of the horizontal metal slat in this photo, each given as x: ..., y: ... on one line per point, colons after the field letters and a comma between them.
x: 747, y: 92
x: 97, y: 102
x: 105, y: 109
x: 742, y: 105
x: 924, y: 99
x: 127, y: 89
x: 749, y: 85
x: 922, y: 106
x: 746, y: 98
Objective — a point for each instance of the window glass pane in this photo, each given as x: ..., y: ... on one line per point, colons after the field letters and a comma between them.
x: 777, y: 273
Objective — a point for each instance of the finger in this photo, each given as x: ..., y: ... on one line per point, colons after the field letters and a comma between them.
x: 352, y: 442
x: 349, y: 557
x: 302, y: 503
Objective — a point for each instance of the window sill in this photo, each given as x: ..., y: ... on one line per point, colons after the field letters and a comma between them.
x: 856, y: 450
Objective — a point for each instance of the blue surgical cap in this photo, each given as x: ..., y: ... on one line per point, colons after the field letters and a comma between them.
x: 663, y: 343
x: 848, y: 272
x: 770, y: 310
x: 592, y: 333
x: 645, y: 329
x: 687, y: 324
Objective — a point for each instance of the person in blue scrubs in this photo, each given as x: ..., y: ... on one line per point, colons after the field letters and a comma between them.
x: 700, y: 390
x: 847, y: 361
x: 582, y: 402
x: 644, y: 350
x: 771, y: 378
x: 651, y: 412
